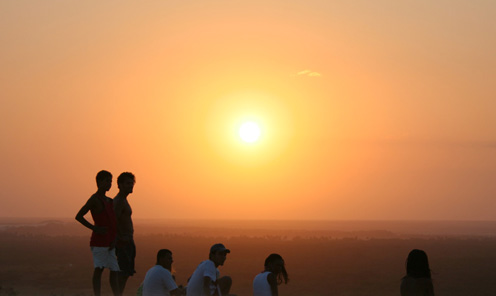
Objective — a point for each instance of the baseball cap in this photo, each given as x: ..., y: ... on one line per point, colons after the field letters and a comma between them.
x: 219, y: 248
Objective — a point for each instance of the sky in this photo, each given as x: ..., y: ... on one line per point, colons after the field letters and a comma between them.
x: 368, y: 110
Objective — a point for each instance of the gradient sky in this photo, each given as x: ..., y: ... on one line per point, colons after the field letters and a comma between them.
x: 368, y: 109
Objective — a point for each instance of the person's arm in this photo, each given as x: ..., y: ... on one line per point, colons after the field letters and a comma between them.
x: 206, y: 285
x: 170, y: 284
x: 272, y: 279
x: 179, y: 291
x: 90, y: 204
x: 118, y: 207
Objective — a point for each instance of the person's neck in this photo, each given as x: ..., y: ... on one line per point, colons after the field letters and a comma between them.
x: 216, y: 265
x: 101, y: 192
x: 164, y: 266
x: 122, y: 195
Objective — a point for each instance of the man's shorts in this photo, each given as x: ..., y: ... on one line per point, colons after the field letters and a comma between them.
x: 104, y: 258
x: 125, y: 256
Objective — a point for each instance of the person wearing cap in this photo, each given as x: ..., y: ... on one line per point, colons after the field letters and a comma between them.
x: 205, y: 280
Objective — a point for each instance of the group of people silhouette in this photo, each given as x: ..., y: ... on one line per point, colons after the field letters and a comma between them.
x: 112, y: 246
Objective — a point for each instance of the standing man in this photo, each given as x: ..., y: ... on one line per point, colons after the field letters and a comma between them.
x: 102, y: 242
x: 158, y: 280
x: 205, y: 281
x: 125, y: 248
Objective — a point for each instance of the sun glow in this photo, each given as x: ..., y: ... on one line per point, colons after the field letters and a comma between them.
x: 249, y: 132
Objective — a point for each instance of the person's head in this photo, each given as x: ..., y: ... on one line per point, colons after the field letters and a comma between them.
x: 417, y: 264
x: 275, y: 264
x: 126, y: 182
x: 104, y: 180
x: 218, y: 253
x: 164, y: 258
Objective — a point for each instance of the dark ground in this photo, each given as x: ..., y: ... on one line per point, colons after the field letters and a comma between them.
x: 41, y: 262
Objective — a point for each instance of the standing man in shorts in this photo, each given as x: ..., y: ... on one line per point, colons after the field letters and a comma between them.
x: 102, y: 242
x: 125, y: 248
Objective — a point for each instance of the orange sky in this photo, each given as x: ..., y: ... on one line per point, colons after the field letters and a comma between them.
x: 369, y: 109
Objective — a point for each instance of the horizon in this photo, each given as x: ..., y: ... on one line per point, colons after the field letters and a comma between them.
x: 261, y: 219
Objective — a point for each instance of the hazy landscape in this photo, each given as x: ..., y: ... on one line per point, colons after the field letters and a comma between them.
x: 51, y: 257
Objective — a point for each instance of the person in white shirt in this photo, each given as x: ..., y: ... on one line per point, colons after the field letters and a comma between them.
x: 158, y: 280
x: 205, y: 280
x: 265, y: 283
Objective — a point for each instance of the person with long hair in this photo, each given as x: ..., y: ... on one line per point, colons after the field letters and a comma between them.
x: 417, y: 281
x: 274, y: 274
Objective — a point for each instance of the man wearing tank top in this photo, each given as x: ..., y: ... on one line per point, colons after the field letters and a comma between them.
x: 104, y: 230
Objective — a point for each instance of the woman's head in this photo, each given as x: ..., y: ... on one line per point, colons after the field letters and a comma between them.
x: 275, y: 264
x: 417, y: 264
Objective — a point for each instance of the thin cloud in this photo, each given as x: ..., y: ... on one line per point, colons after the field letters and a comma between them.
x: 308, y: 73
x: 314, y: 74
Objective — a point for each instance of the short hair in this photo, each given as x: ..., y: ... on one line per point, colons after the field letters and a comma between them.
x: 102, y: 175
x: 124, y: 176
x: 161, y: 253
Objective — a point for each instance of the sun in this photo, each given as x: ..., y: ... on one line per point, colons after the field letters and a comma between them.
x: 249, y: 132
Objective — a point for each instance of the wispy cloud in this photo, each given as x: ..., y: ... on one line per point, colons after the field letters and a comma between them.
x: 308, y: 73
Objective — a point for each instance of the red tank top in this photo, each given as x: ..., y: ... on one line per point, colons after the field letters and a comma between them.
x: 105, y: 218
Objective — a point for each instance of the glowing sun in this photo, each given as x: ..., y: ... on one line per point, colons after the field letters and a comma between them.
x: 249, y: 132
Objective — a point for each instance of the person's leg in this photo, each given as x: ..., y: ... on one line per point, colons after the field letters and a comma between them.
x: 99, y: 261
x: 114, y: 283
x: 125, y: 258
x: 225, y: 284
x: 122, y: 279
x: 114, y: 272
x: 97, y: 280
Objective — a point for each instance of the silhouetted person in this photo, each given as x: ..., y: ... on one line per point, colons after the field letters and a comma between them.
x: 158, y: 280
x: 102, y: 242
x: 417, y: 281
x: 125, y: 248
x: 205, y: 280
x: 265, y: 283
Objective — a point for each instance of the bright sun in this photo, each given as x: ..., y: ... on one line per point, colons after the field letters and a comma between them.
x: 249, y: 132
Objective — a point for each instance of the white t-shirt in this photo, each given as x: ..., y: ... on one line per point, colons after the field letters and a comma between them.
x: 195, y: 285
x: 158, y: 282
x: 261, y: 285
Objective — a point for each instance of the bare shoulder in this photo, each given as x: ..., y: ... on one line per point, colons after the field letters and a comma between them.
x: 271, y: 278
x: 92, y: 201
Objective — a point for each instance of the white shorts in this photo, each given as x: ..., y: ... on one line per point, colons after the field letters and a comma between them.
x: 103, y: 258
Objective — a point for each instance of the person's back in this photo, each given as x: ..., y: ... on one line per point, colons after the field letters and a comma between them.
x: 274, y: 274
x: 195, y: 285
x: 158, y: 282
x: 205, y: 280
x: 411, y: 286
x: 261, y: 285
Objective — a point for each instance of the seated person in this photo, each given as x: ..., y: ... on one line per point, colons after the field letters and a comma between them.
x: 158, y: 280
x: 205, y: 280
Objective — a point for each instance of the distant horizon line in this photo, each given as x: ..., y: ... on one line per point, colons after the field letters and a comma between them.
x: 138, y: 219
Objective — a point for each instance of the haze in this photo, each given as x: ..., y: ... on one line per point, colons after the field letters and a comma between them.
x: 374, y: 110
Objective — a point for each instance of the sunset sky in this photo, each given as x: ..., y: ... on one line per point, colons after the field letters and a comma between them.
x: 367, y: 109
